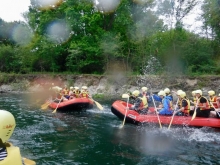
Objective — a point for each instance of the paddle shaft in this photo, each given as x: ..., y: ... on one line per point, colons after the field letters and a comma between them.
x: 194, y: 114
x: 173, y: 113
x: 156, y: 112
x: 125, y: 113
x: 55, y: 110
x: 98, y: 104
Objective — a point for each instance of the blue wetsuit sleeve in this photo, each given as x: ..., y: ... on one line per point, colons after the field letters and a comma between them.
x: 157, y: 98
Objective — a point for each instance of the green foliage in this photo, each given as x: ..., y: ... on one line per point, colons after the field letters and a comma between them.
x: 78, y: 37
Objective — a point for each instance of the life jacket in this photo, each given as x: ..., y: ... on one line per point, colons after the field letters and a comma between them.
x: 65, y: 91
x: 207, y: 106
x: 84, y: 94
x: 144, y: 103
x: 213, y: 101
x: 76, y: 93
x: 186, y: 108
x: 13, y: 157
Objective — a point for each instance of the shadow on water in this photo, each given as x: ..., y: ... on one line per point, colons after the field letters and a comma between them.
x: 94, y: 137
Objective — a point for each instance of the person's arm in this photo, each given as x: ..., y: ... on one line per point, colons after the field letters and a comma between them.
x: 136, y: 104
x: 157, y: 98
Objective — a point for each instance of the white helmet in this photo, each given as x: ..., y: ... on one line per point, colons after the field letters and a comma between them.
x: 7, y: 125
x: 161, y: 93
x: 167, y: 90
x: 198, y: 92
x: 84, y: 87
x: 178, y: 92
x: 144, y: 89
x: 193, y: 93
x: 71, y: 88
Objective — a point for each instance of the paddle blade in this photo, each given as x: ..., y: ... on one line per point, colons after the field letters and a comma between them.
x: 194, y: 115
x: 45, y: 105
x: 29, y: 162
x: 125, y: 96
x: 99, y: 105
x: 55, y: 110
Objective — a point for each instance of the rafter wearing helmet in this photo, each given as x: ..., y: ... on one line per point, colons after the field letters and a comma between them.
x: 167, y: 108
x: 184, y: 106
x: 213, y: 99
x: 140, y: 103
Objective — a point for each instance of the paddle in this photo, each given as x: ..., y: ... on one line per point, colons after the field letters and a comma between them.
x: 98, y: 104
x: 29, y: 162
x: 45, y: 105
x: 194, y: 114
x: 125, y: 96
x: 156, y: 112
x: 55, y: 110
x: 173, y: 113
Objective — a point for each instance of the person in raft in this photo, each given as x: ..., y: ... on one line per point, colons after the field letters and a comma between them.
x: 140, y: 102
x: 193, y: 100
x: 146, y: 94
x: 167, y: 108
x: 184, y: 106
x: 65, y: 92
x: 9, y: 154
x: 84, y: 92
x: 213, y: 99
x: 202, y: 106
x: 167, y: 92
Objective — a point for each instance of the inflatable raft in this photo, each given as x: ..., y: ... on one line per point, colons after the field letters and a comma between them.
x: 119, y: 109
x: 72, y: 104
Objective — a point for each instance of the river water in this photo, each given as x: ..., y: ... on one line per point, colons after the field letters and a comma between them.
x: 94, y: 137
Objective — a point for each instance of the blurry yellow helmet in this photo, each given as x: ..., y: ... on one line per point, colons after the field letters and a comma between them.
x: 84, y: 87
x: 144, y: 89
x: 135, y: 93
x: 71, y: 88
x: 198, y: 92
x: 167, y: 90
x: 7, y: 125
x: 182, y: 94
x: 211, y: 93
x: 161, y: 93
x: 178, y: 92
x: 193, y: 93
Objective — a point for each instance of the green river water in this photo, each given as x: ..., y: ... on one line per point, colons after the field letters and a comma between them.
x: 94, y: 137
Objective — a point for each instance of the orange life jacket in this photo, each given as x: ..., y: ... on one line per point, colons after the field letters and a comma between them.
x: 186, y: 108
x: 213, y: 101
x: 207, y: 105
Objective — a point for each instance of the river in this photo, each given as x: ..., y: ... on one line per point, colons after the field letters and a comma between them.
x: 94, y: 137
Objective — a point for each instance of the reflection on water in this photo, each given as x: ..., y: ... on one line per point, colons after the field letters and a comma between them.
x: 94, y: 137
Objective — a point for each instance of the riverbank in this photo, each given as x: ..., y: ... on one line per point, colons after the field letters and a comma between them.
x: 106, y: 85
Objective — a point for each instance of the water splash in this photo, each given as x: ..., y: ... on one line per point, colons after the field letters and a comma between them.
x: 149, y: 70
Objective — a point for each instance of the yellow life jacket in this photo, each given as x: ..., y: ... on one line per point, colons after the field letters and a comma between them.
x: 144, y: 103
x: 13, y: 157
